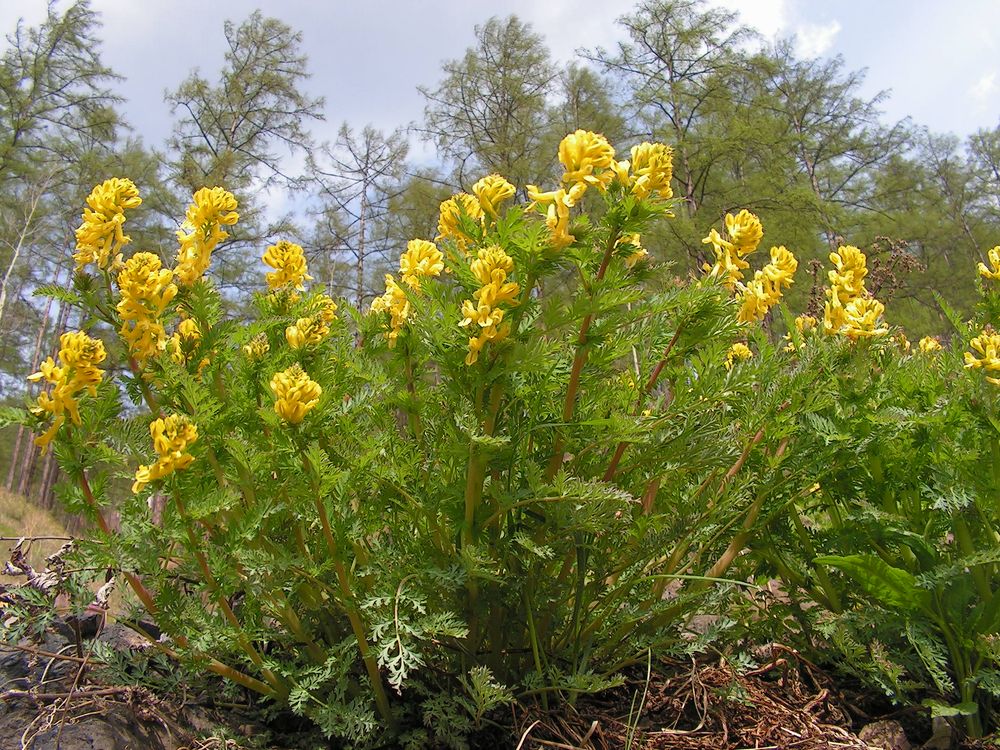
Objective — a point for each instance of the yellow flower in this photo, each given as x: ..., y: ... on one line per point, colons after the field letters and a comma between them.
x: 201, y: 232
x: 422, y: 259
x: 804, y: 323
x: 100, y: 236
x: 848, y: 276
x: 171, y: 439
x: 929, y: 344
x: 555, y: 205
x: 492, y: 265
x: 740, y: 351
x: 289, y: 262
x: 583, y: 152
x: 490, y: 268
x: 765, y: 291
x: 639, y: 253
x: 306, y: 332
x: 146, y: 291
x: 994, y: 258
x: 184, y: 341
x: 449, y: 219
x: 652, y: 169
x: 395, y: 302
x: 79, y: 356
x: 490, y: 333
x: 257, y: 348
x: 849, y: 310
x: 781, y: 270
x: 862, y: 318
x: 325, y: 308
x: 491, y: 191
x: 296, y: 394
x: 745, y: 231
x: 987, y: 344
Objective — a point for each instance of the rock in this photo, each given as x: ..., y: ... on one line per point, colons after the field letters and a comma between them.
x: 943, y: 737
x: 885, y: 735
x: 114, y: 730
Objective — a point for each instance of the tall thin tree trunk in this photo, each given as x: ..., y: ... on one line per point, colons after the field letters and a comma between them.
x: 25, y: 230
x: 50, y: 470
x: 31, y: 457
x: 361, y: 245
x: 36, y: 359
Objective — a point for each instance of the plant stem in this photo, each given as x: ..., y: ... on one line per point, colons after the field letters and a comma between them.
x: 412, y: 413
x: 350, y: 604
x: 650, y: 384
x: 144, y: 596
x: 579, y: 360
x: 220, y: 598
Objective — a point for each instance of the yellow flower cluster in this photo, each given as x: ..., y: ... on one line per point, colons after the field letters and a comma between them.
x: 652, y: 168
x: 183, y: 343
x: 589, y: 161
x: 743, y: 234
x: 171, y: 439
x: 77, y: 371
x: 146, y: 289
x: 585, y: 156
x: 395, y: 302
x: 863, y: 319
x: 201, y: 232
x: 987, y: 344
x: 737, y: 351
x: 100, y: 236
x: 488, y: 194
x: 491, y: 268
x: 767, y: 286
x: 744, y: 231
x: 307, y: 331
x: 449, y: 219
x: 849, y: 309
x: 311, y: 330
x: 491, y: 191
x: 184, y: 340
x: 993, y: 256
x: 257, y: 348
x: 557, y: 204
x: 803, y: 324
x: 296, y: 394
x: 638, y: 253
x: 325, y: 308
x: 929, y: 344
x: 289, y: 263
x: 422, y: 259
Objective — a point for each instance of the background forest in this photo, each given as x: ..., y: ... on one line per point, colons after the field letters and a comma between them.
x: 753, y: 126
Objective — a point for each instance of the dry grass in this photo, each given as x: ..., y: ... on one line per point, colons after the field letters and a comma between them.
x: 19, y: 517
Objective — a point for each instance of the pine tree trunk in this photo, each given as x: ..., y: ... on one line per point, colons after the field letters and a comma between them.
x: 31, y: 456
x: 15, y: 452
x: 36, y: 360
x: 361, y: 246
x: 50, y: 470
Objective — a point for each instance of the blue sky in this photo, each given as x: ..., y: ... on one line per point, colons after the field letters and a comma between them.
x: 942, y: 64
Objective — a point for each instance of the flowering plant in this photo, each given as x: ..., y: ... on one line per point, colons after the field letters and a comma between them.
x: 519, y: 471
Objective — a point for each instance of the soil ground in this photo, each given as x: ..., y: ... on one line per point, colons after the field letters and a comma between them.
x: 50, y: 701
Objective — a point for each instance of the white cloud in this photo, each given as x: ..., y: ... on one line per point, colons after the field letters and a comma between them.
x: 770, y: 17
x: 567, y: 27
x: 985, y: 88
x: 815, y: 39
